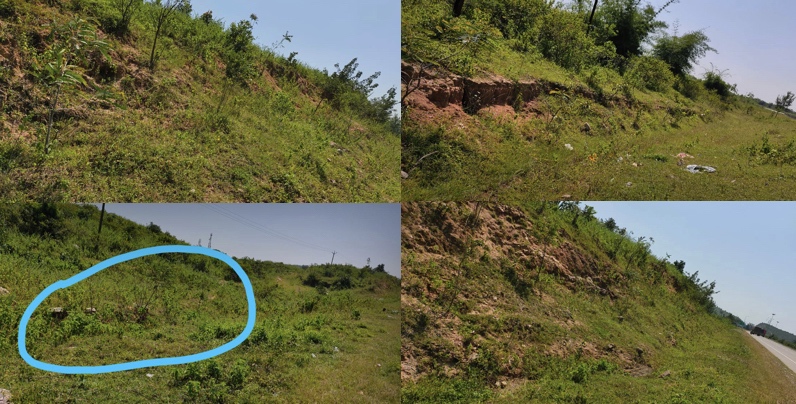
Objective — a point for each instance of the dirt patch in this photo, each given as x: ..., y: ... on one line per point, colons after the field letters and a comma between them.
x: 639, y: 371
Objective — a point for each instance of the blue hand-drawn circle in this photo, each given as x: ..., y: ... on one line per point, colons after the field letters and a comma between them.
x: 178, y: 360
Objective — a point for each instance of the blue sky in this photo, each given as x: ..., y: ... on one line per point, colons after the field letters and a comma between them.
x: 746, y: 247
x: 305, y: 233
x: 753, y: 40
x: 325, y: 32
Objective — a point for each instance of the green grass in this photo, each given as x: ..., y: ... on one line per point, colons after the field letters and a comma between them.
x: 308, y: 345
x: 483, y: 308
x: 161, y: 138
x: 629, y: 153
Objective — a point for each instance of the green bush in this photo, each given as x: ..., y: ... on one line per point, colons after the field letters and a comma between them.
x: 714, y: 82
x: 689, y: 87
x: 561, y: 37
x: 514, y: 18
x: 650, y: 73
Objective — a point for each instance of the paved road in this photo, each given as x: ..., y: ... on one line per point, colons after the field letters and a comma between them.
x: 785, y: 354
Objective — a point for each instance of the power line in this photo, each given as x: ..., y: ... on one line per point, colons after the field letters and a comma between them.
x: 249, y: 223
x: 269, y: 230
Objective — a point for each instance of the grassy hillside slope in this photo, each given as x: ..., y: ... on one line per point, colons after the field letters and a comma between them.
x: 517, y: 101
x: 218, y: 119
x: 543, y: 304
x: 338, y: 338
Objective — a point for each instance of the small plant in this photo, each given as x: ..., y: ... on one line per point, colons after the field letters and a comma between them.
x: 58, y: 66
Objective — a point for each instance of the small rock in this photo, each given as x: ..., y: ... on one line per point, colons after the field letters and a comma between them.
x: 5, y: 396
x: 666, y: 374
x: 332, y: 144
x: 569, y: 146
x: 149, y: 375
x: 361, y: 393
x: 378, y: 365
x: 90, y: 310
x: 313, y: 355
x: 336, y: 349
x: 340, y: 151
x: 566, y: 197
x: 404, y: 174
x: 586, y: 127
x: 620, y: 159
x: 4, y: 291
x: 610, y: 347
x: 58, y: 312
x: 629, y: 184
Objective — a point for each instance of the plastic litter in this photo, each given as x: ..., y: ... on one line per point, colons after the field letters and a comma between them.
x: 694, y: 169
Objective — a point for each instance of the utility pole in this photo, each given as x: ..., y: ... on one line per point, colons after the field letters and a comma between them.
x: 102, y: 216
x: 210, y: 242
x: 333, y: 254
x: 200, y: 242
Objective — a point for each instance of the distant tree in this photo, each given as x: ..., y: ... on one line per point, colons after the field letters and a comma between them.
x: 680, y: 265
x: 154, y: 228
x: 128, y: 9
x: 379, y: 268
x: 207, y: 17
x: 627, y: 25
x: 165, y: 10
x: 784, y: 102
x: 588, y: 213
x: 683, y: 51
x: 610, y: 224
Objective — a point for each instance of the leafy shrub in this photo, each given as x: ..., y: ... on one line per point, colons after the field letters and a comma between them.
x: 714, y: 82
x: 689, y: 87
x: 650, y: 73
x: 238, y: 374
x: 8, y: 8
x: 561, y: 37
x: 514, y: 18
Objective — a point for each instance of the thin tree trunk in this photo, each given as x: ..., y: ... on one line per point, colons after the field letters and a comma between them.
x: 102, y: 216
x: 154, y: 45
x: 50, y: 120
x: 224, y: 92
x: 591, y: 17
x: 458, y: 5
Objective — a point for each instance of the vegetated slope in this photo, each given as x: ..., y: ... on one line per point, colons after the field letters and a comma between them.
x: 517, y: 101
x: 217, y: 119
x: 547, y: 304
x: 340, y: 337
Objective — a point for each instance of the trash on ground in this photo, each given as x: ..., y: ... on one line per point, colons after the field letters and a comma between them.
x: 569, y: 146
x: 693, y: 169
